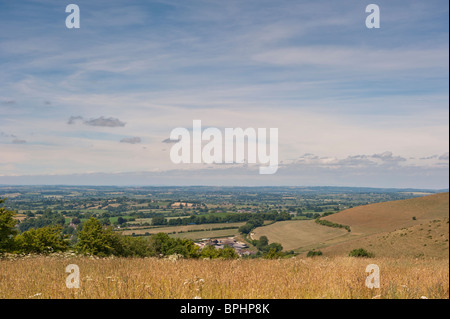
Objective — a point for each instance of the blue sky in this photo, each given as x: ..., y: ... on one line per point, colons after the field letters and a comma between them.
x: 354, y: 106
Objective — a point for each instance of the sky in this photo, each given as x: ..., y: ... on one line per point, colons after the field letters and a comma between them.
x: 353, y: 106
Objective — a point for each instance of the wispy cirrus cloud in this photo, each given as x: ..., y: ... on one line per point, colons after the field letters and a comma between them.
x: 362, y: 59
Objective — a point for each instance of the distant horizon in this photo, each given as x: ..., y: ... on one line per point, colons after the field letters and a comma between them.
x: 233, y: 186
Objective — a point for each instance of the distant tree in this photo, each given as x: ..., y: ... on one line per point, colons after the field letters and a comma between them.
x: 159, y: 220
x: 245, y: 229
x: 29, y: 214
x: 47, y: 218
x: 263, y: 241
x: 105, y: 221
x: 276, y: 246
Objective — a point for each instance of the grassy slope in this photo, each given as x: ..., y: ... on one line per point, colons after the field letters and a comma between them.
x: 388, y: 229
x: 428, y: 239
x: 389, y: 216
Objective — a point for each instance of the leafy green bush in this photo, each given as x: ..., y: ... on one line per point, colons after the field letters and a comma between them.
x: 163, y: 245
x: 273, y: 253
x: 360, y: 252
x: 224, y: 253
x: 43, y: 240
x: 312, y: 253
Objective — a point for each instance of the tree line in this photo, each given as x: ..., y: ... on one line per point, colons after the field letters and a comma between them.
x: 229, y: 218
x: 94, y: 238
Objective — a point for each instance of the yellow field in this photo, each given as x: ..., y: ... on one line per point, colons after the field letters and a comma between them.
x: 300, y: 235
x: 338, y: 277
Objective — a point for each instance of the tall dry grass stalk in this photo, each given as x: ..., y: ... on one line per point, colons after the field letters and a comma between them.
x: 338, y: 277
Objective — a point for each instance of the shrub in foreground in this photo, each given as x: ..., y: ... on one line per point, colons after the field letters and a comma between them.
x: 42, y: 240
x: 7, y: 230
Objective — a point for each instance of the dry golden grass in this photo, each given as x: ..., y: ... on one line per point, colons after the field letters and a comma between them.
x: 430, y: 239
x: 300, y: 235
x: 319, y: 277
x: 388, y: 229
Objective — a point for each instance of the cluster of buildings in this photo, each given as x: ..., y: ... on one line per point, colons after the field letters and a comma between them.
x: 219, y: 243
